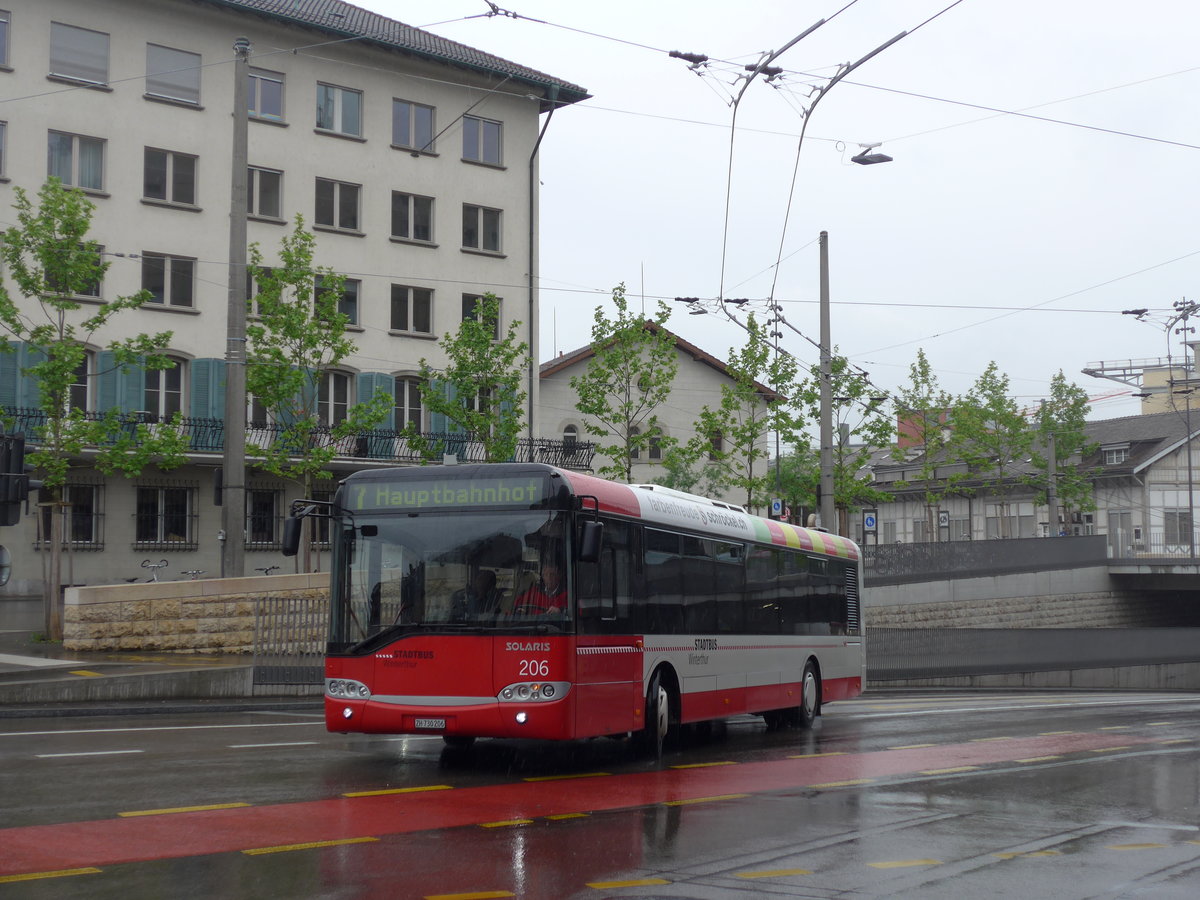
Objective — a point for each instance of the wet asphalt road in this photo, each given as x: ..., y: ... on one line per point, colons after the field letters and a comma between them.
x: 897, y: 795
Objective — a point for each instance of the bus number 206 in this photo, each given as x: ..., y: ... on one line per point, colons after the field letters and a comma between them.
x: 535, y: 668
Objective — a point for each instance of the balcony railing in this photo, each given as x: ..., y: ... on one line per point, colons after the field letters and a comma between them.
x: 381, y: 445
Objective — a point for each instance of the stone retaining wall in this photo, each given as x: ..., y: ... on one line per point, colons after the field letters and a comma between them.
x: 214, y: 615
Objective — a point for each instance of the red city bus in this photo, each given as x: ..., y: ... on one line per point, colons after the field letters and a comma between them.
x: 521, y: 600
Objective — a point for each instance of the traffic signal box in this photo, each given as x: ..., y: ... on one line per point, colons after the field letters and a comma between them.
x: 14, y: 478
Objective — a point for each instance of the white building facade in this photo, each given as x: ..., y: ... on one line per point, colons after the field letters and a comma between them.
x: 411, y: 157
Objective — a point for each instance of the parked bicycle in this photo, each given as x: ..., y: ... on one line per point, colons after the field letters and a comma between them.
x: 266, y: 570
x: 194, y: 573
x: 153, y: 567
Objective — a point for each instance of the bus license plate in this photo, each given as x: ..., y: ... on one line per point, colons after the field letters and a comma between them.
x: 430, y: 723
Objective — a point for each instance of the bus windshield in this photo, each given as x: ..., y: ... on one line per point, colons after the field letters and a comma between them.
x: 454, y: 571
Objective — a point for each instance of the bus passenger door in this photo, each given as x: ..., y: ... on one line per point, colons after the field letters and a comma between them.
x: 608, y: 654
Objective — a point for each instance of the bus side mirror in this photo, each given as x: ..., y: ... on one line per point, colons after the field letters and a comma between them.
x: 590, y: 535
x: 292, y: 527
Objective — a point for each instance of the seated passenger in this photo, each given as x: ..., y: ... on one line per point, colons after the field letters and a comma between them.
x: 479, y: 599
x: 545, y: 596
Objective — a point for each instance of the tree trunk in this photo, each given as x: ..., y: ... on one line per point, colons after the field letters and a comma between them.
x: 54, y: 587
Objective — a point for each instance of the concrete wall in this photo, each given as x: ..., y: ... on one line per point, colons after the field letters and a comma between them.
x: 204, y: 616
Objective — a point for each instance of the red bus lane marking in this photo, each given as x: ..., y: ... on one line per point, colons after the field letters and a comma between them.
x: 122, y: 840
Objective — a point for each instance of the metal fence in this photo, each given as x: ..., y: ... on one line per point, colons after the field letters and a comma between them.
x: 900, y: 654
x: 289, y: 639
x: 385, y: 445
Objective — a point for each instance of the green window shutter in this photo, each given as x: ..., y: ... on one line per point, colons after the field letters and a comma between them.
x: 10, y: 376
x: 380, y: 442
x: 208, y: 389
x: 438, y: 423
x: 29, y: 395
x: 120, y: 390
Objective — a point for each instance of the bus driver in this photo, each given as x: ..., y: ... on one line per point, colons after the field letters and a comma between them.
x: 547, y: 595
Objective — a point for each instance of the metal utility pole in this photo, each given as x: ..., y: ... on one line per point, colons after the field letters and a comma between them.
x: 233, y: 500
x: 827, y: 506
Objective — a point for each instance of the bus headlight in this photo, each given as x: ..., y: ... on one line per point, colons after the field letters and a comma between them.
x: 346, y: 689
x: 533, y: 691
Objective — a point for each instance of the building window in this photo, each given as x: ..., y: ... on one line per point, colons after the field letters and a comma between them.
x: 169, y: 176
x: 1114, y: 456
x: 333, y: 398
x: 412, y: 125
x: 481, y: 228
x: 570, y: 437
x: 264, y: 95
x: 169, y: 279
x: 79, y: 393
x: 412, y: 309
x: 635, y: 451
x: 655, y: 448
x: 81, y: 517
x: 716, y: 445
x: 262, y: 517
x: 348, y: 302
x: 3, y: 146
x: 408, y: 403
x: 4, y: 20
x: 78, y: 53
x: 91, y: 254
x: 76, y: 160
x: 339, y: 110
x: 172, y: 74
x: 163, y: 397
x: 256, y: 412
x: 412, y: 217
x: 1177, y: 527
x: 164, y: 517
x: 264, y: 193
x: 470, y: 303
x: 337, y: 204
x: 481, y: 140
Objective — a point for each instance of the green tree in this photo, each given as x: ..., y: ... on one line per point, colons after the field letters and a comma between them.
x: 629, y: 376
x: 294, y: 339
x: 861, y: 428
x: 995, y: 439
x: 734, y: 434
x: 923, y: 409
x: 50, y: 261
x: 1063, y: 416
x: 479, y: 392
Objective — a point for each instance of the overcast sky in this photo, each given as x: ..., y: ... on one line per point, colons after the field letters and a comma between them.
x: 990, y: 237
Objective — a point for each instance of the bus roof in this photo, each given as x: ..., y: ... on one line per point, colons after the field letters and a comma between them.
x: 651, y: 504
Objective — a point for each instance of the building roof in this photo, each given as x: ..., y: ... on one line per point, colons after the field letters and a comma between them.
x: 335, y: 17
x: 566, y: 360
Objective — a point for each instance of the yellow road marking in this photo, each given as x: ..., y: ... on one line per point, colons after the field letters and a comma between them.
x: 86, y: 673
x: 816, y: 755
x: 987, y: 740
x: 555, y: 818
x: 311, y: 845
x: 568, y: 777
x: 949, y: 771
x: 640, y: 882
x: 506, y: 823
x: 704, y: 799
x: 1113, y: 728
x: 1177, y: 741
x: 181, y: 809
x: 704, y: 765
x: 1046, y: 733
x: 477, y: 895
x: 1031, y: 759
x: 1028, y: 853
x: 1159, y: 723
x: 774, y: 873
x: 912, y: 746
x: 1135, y: 846
x: 408, y: 790
x: 1110, y: 749
x: 59, y: 873
x: 833, y: 784
x: 905, y: 863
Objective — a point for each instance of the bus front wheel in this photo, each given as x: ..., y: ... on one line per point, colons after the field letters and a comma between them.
x: 810, y: 696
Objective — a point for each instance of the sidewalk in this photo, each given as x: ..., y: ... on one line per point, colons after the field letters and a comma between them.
x: 43, y: 679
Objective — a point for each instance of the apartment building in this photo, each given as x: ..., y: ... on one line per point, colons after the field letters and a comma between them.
x: 412, y: 158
